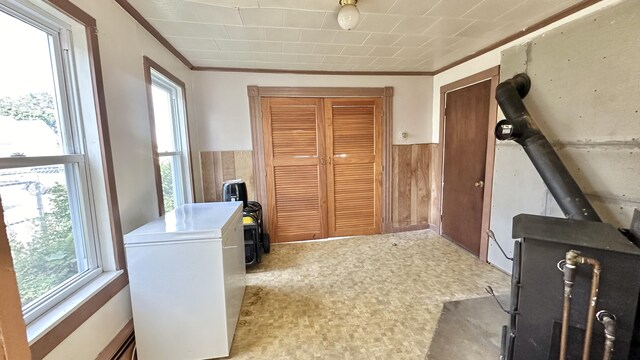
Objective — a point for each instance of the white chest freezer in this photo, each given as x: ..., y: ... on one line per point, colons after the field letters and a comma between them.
x: 187, y: 281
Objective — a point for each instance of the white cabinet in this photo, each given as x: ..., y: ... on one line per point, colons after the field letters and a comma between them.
x: 187, y: 280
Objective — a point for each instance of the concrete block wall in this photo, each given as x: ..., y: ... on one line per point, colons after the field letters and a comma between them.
x: 585, y: 96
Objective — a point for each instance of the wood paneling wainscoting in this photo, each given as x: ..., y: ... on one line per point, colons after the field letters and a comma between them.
x: 220, y: 166
x: 412, y: 185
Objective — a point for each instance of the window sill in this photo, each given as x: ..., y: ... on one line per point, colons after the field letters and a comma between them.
x: 65, y: 317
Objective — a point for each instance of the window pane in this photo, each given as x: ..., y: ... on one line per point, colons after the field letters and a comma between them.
x: 29, y: 120
x: 39, y: 226
x: 168, y: 183
x: 163, y: 119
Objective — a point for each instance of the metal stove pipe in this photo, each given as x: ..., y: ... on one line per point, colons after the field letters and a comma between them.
x: 520, y: 127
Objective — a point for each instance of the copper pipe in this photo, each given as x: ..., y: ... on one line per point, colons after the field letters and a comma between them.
x: 609, y: 321
x: 571, y: 259
x: 593, y: 296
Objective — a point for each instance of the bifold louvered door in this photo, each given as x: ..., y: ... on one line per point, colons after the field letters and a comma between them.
x: 323, y: 165
x: 294, y: 152
x: 354, y: 176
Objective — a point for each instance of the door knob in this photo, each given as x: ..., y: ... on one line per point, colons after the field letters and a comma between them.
x: 480, y: 184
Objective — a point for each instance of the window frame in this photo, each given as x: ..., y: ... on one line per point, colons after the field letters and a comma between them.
x: 73, y: 159
x: 170, y: 83
x: 115, y: 271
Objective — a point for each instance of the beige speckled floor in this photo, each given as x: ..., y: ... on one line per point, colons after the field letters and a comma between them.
x: 369, y: 297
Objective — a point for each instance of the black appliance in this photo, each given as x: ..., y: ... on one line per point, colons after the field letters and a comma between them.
x: 235, y: 190
x: 256, y: 241
x: 539, y: 277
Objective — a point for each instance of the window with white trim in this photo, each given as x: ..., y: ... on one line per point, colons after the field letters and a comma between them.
x: 46, y: 186
x: 167, y: 99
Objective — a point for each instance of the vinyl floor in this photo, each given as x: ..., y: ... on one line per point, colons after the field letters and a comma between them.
x: 366, y: 297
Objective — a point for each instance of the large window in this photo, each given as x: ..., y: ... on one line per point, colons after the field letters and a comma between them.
x: 171, y: 140
x: 45, y: 177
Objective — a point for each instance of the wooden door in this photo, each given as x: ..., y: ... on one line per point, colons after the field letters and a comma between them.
x: 294, y: 159
x: 465, y: 152
x: 354, y: 168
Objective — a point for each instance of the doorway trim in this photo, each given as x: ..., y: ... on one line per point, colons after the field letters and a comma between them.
x: 256, y: 93
x: 492, y: 74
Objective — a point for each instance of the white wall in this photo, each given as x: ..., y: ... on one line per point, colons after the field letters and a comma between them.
x: 223, y: 104
x: 502, y: 222
x: 123, y: 42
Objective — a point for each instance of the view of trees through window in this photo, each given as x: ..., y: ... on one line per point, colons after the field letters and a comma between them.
x: 42, y: 242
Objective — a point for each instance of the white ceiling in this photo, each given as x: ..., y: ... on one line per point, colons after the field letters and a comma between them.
x: 393, y: 35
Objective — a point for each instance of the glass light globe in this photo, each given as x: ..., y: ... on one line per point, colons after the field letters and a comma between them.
x: 348, y: 17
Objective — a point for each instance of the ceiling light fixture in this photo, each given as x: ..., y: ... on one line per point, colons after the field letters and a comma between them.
x: 348, y: 15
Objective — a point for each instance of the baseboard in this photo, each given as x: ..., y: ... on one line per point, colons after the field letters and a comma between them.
x: 411, y: 228
x: 119, y: 344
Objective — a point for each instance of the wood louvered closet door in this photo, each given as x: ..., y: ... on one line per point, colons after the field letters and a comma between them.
x: 324, y: 171
x: 294, y: 152
x: 354, y: 176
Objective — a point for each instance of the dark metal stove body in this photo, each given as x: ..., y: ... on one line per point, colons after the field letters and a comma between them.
x: 540, y: 288
x: 537, y: 299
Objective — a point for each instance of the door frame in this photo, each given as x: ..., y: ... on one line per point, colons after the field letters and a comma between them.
x: 256, y: 93
x: 492, y: 74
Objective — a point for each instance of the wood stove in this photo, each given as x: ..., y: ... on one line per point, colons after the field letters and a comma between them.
x: 575, y: 281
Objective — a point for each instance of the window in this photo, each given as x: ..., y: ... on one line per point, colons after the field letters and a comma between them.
x: 45, y: 170
x: 168, y: 123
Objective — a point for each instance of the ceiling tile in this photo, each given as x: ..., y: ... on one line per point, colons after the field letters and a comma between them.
x: 281, y: 34
x: 410, y: 53
x: 314, y: 59
x: 379, y: 23
x: 320, y: 5
x: 262, y: 17
x: 480, y: 28
x: 412, y: 40
x: 226, y: 3
x: 292, y: 48
x: 266, y: 46
x: 382, y: 39
x: 375, y: 7
x: 385, y: 61
x: 253, y: 56
x: 350, y: 37
x: 187, y: 11
x: 361, y: 60
x: 333, y: 59
x: 303, y: 19
x: 223, y: 63
x: 209, y: 55
x: 490, y: 9
x: 317, y: 36
x: 245, y: 33
x: 185, y: 43
x: 414, y: 25
x: 190, y: 29
x: 357, y: 50
x: 421, y: 35
x: 452, y: 8
x: 282, y: 58
x: 448, y: 27
x: 385, y: 51
x: 328, y: 49
x: 412, y: 7
x: 233, y: 45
